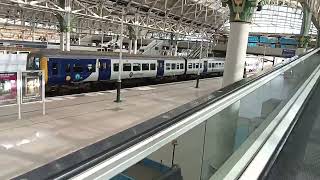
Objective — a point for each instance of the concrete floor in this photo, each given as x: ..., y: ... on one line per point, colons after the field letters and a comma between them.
x: 75, y: 121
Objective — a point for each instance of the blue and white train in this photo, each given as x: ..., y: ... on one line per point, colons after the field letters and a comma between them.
x: 65, y: 68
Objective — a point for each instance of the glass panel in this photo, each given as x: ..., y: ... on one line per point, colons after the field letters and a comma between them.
x: 211, y: 149
x: 153, y: 66
x: 136, y: 67
x: 126, y: 67
x: 145, y: 67
x: 173, y: 66
x: 68, y: 68
x: 168, y: 66
x: 241, y: 123
x: 116, y: 67
x: 77, y: 68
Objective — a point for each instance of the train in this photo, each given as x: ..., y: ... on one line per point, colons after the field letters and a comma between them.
x: 76, y: 67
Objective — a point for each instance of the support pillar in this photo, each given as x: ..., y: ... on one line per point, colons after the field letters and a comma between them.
x: 135, y: 46
x: 79, y: 40
x: 62, y: 41
x: 33, y: 34
x: 141, y: 41
x: 67, y: 19
x: 176, y: 49
x: 130, y: 46
x: 102, y: 36
x: 318, y: 39
x: 236, y: 52
x: 68, y: 41
x: 306, y: 22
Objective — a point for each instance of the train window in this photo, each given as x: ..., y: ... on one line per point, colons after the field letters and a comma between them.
x: 77, y: 68
x: 200, y: 65
x: 126, y: 67
x: 173, y: 66
x: 181, y: 66
x: 91, y: 68
x: 178, y: 66
x: 168, y: 65
x: 145, y: 67
x: 37, y: 63
x: 152, y: 66
x: 68, y: 68
x: 197, y: 66
x: 190, y: 65
x: 30, y: 62
x: 193, y: 65
x: 209, y: 65
x: 116, y: 67
x: 136, y: 67
x: 54, y: 68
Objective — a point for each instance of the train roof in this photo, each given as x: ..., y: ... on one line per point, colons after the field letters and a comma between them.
x: 90, y: 54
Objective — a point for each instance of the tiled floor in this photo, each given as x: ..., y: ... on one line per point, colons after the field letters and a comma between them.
x: 75, y: 121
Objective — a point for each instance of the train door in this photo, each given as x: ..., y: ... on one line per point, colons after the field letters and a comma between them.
x: 55, y: 70
x: 160, y: 69
x: 205, y: 67
x: 104, y: 69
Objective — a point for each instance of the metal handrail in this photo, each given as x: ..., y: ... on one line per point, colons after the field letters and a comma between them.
x: 108, y: 149
x: 130, y: 156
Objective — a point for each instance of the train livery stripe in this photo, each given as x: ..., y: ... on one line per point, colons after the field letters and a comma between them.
x: 44, y: 67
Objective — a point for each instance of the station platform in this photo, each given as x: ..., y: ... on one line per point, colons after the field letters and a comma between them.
x: 76, y: 121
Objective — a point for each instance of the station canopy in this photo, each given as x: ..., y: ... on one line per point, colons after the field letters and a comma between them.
x: 184, y: 17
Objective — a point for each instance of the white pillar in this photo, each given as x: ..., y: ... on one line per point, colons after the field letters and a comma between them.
x: 68, y: 41
x: 33, y: 34
x: 79, y: 41
x: 102, y: 36
x: 62, y: 41
x: 236, y: 52
x: 176, y: 49
x: 135, y: 46
x: 130, y: 46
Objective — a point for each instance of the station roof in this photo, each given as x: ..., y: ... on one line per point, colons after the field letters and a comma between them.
x: 185, y: 17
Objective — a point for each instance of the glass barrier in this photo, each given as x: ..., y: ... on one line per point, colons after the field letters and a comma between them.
x: 212, y: 148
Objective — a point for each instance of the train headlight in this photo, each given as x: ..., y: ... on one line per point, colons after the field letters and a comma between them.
x: 68, y: 78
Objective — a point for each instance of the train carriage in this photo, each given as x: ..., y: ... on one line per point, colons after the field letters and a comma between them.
x: 76, y: 67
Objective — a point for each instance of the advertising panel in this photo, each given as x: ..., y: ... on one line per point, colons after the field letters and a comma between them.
x: 8, y: 88
x: 31, y: 87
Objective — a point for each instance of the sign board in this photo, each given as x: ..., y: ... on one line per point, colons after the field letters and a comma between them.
x: 288, y: 53
x: 8, y: 88
x: 31, y: 86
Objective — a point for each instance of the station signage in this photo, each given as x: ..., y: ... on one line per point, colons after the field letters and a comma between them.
x: 8, y: 88
x: 288, y: 53
x: 31, y: 87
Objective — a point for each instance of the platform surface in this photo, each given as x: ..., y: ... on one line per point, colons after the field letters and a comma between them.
x: 75, y: 121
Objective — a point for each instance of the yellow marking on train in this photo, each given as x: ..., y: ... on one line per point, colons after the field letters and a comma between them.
x: 44, y: 67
